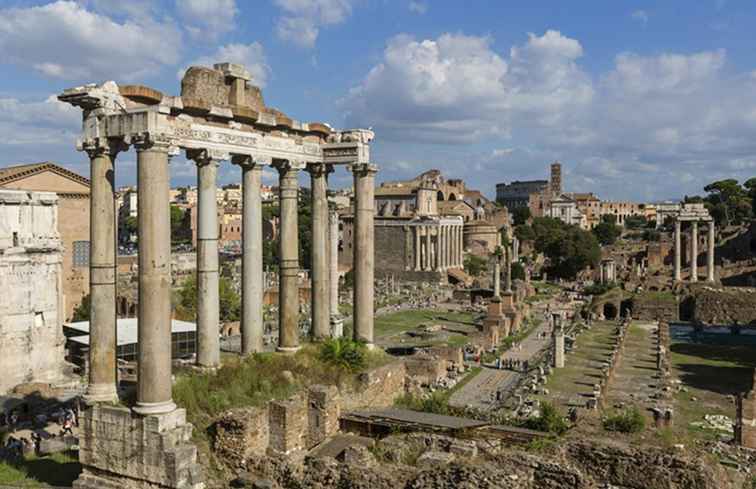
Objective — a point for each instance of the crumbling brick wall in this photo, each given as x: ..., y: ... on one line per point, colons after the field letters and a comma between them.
x: 288, y: 426
x: 241, y: 433
x: 377, y: 388
x: 724, y: 306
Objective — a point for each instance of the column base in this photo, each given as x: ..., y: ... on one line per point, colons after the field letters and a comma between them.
x: 337, y: 327
x: 289, y: 350
x: 120, y: 450
x: 371, y: 346
x: 154, y: 408
x: 101, y: 393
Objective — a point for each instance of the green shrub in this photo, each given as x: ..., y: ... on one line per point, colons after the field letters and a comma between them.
x: 629, y: 420
x: 344, y: 353
x: 550, y: 420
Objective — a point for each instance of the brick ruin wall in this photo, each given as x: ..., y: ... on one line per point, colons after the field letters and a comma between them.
x: 650, y: 307
x: 724, y: 306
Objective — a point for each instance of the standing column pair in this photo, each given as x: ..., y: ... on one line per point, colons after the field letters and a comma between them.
x: 364, y: 250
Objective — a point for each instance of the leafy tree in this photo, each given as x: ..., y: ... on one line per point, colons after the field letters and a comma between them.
x: 524, y: 232
x: 475, y: 265
x: 607, y: 230
x: 573, y: 252
x: 518, y: 271
x: 186, y: 300
x: 750, y: 185
x: 635, y: 222
x: 651, y: 235
x: 180, y: 225
x: 521, y: 215
x: 81, y: 312
x: 550, y: 420
x: 730, y: 200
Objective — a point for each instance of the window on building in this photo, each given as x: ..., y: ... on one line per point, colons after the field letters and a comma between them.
x: 81, y: 254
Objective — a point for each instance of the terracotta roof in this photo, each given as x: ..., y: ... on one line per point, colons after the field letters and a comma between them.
x: 13, y: 173
x: 379, y: 191
x: 448, y: 205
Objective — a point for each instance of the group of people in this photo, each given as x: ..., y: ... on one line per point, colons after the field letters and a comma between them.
x: 16, y: 446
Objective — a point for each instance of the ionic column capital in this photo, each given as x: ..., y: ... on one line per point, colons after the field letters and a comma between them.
x: 203, y: 157
x: 155, y: 142
x: 363, y: 169
x: 285, y: 166
x: 248, y: 162
x: 319, y: 170
x: 103, y: 146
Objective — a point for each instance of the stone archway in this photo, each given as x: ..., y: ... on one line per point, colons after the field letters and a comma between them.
x: 452, y: 197
x: 440, y: 196
x: 610, y: 311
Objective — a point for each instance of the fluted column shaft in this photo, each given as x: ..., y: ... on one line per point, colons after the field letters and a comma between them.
x: 154, y: 219
x: 678, y: 246
x: 710, y: 252
x: 208, y: 286
x: 364, y: 251
x: 288, y: 255
x: 102, y: 273
x: 319, y: 296
x: 508, y: 270
x: 694, y: 251
x: 253, y: 282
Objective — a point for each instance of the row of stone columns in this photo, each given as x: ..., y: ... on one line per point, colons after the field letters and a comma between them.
x: 440, y: 254
x: 677, y: 265
x: 154, y: 334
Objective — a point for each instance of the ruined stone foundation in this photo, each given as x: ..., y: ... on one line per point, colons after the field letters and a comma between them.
x: 122, y: 450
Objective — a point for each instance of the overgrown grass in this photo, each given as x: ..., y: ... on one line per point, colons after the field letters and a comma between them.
x: 255, y: 380
x: 629, y: 420
x: 438, y: 401
x: 549, y: 420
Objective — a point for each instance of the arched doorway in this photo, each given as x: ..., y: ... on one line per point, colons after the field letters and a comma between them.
x: 610, y: 311
x: 452, y: 197
x: 440, y: 196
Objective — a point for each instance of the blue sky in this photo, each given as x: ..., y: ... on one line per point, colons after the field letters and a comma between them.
x: 638, y: 100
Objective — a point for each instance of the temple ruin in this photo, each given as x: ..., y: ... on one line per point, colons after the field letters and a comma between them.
x: 219, y: 117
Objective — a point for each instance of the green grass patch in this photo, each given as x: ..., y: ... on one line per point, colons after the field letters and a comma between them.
x: 629, y: 420
x: 59, y: 469
x: 438, y: 401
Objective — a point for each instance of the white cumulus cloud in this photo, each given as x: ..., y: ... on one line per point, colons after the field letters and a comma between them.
x: 650, y: 126
x: 65, y: 40
x: 207, y: 18
x: 302, y: 19
x: 252, y: 56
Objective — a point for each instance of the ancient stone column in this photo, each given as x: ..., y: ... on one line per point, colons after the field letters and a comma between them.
x: 319, y: 295
x: 508, y: 270
x: 678, y: 246
x: 710, y: 253
x: 336, y: 322
x: 364, y: 251
x: 694, y: 251
x: 102, y: 272
x: 288, y: 253
x: 497, y: 276
x: 252, y: 256
x: 208, y: 287
x: 418, y: 249
x: 154, y: 220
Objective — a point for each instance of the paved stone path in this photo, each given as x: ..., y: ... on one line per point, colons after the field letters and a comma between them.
x: 480, y: 392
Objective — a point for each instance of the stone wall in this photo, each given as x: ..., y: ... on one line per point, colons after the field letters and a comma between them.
x: 31, y: 334
x: 377, y: 388
x: 655, y: 306
x: 724, y: 306
x: 122, y: 450
x: 745, y: 421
